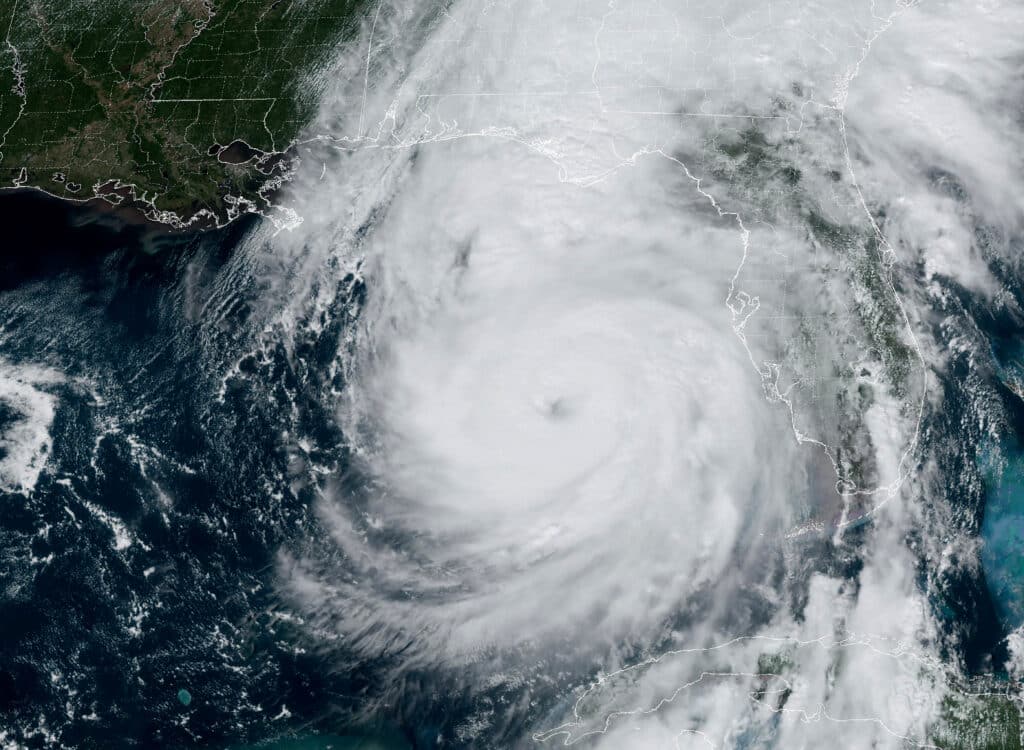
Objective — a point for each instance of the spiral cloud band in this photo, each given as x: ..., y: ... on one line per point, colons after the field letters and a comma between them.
x: 634, y: 370
x: 555, y: 401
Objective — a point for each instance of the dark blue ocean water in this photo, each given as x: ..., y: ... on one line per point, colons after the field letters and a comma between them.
x: 97, y: 642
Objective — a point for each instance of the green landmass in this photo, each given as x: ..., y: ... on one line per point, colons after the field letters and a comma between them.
x: 183, y: 109
x: 977, y: 722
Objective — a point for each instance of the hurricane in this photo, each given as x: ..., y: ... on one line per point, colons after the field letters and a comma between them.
x: 608, y: 374
x: 636, y: 361
x: 552, y: 449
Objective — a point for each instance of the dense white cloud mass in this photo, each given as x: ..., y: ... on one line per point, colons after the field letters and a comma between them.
x: 26, y: 416
x: 631, y: 321
x: 554, y: 392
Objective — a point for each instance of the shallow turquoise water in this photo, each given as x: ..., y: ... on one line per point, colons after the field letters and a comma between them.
x: 1002, y: 531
